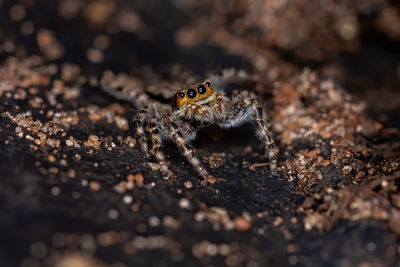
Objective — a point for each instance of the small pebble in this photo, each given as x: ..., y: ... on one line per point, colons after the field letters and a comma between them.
x: 278, y: 221
x: 95, y: 186
x: 224, y: 249
x: 184, y: 203
x: 55, y: 191
x: 127, y: 199
x: 212, y: 249
x: 113, y: 214
x: 154, y: 221
x: 188, y: 184
x: 51, y: 158
x: 242, y: 224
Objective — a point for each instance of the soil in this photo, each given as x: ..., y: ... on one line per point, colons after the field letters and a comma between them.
x: 76, y: 190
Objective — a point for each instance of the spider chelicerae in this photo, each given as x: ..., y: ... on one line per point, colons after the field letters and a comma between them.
x: 197, y: 106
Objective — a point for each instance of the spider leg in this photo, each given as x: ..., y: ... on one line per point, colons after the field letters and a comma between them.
x: 245, y: 107
x: 264, y: 133
x: 187, y: 151
x: 156, y: 144
x: 140, y: 130
x: 218, y: 105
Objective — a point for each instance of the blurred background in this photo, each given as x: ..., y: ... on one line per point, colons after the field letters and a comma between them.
x: 356, y: 42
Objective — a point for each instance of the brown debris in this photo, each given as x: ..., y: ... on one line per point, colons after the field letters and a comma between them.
x: 93, y: 141
x: 49, y: 44
x: 241, y: 223
x: 77, y: 259
x: 355, y: 203
x: 216, y: 160
x: 94, y: 186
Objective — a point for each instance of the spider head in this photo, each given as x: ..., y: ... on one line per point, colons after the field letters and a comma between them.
x: 192, y: 94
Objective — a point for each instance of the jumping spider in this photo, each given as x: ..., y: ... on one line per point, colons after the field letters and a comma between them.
x: 198, y: 106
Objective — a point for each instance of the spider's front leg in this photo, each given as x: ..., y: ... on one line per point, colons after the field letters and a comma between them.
x: 185, y: 148
x: 154, y: 131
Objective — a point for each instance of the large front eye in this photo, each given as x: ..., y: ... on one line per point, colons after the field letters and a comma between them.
x: 201, y: 89
x: 191, y: 93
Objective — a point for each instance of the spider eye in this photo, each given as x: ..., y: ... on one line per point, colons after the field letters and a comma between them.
x: 208, y: 84
x: 181, y: 94
x: 191, y: 93
x: 201, y: 89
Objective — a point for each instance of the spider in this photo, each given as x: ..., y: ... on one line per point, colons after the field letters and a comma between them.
x: 197, y: 106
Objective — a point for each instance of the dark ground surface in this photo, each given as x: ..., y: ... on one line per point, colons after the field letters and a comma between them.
x: 100, y: 204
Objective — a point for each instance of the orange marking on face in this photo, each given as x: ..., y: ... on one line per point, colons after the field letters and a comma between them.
x: 193, y: 94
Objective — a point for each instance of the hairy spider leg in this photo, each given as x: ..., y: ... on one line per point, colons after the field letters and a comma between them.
x: 140, y: 130
x: 265, y: 135
x: 218, y: 105
x: 245, y: 107
x: 156, y: 144
x: 185, y: 147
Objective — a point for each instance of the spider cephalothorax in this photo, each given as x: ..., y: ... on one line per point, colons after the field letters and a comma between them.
x: 199, y: 102
x: 200, y: 92
x: 198, y: 106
